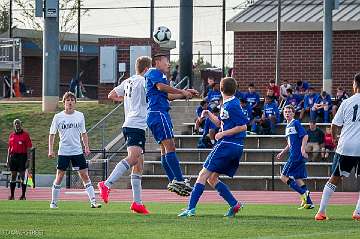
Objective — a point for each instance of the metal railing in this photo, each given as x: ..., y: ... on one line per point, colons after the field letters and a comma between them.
x: 184, y: 83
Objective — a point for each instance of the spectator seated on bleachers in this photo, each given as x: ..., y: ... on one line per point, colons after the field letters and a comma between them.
x: 341, y: 95
x: 276, y: 89
x: 271, y: 94
x: 214, y: 96
x: 322, y: 106
x: 315, y: 141
x: 271, y: 116
x: 199, y: 122
x: 302, y: 86
x: 309, y: 100
x: 294, y: 100
x: 210, y: 130
x: 209, y: 86
x: 283, y: 90
x: 247, y: 111
x: 253, y: 99
x: 329, y: 144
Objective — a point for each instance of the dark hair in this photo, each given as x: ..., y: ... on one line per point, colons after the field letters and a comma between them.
x: 251, y: 85
x: 215, y: 110
x: 357, y: 80
x: 312, y: 121
x: 289, y: 91
x: 272, y: 81
x: 323, y: 93
x: 229, y: 86
x: 243, y: 101
x: 203, y: 102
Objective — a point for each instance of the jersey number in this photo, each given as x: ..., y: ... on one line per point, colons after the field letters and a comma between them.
x: 356, y: 107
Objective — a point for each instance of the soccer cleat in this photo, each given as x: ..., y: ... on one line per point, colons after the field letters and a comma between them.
x: 356, y: 215
x: 53, y: 206
x: 308, y: 206
x: 320, y: 217
x: 233, y: 210
x: 187, y: 213
x: 95, y: 205
x: 22, y: 198
x: 104, y: 191
x: 11, y: 198
x: 139, y: 208
x: 181, y: 188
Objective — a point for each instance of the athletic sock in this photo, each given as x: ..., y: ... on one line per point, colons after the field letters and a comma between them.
x: 55, y: 192
x: 23, y: 189
x: 293, y: 184
x: 174, y: 165
x: 167, y: 169
x: 118, y: 171
x: 12, y: 188
x: 224, y: 192
x: 136, y: 187
x: 329, y: 189
x: 195, y: 195
x: 308, y: 199
x: 90, y: 192
x: 358, y: 206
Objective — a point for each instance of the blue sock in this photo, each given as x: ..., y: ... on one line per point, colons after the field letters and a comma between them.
x: 195, y: 195
x: 167, y: 169
x: 292, y: 184
x: 174, y: 165
x: 224, y: 192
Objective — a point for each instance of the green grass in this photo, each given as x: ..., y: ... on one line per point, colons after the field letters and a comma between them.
x: 38, y: 124
x: 77, y: 220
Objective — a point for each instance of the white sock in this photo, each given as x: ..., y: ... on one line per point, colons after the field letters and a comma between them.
x: 358, y: 206
x: 90, y: 191
x: 118, y: 171
x: 55, y: 192
x: 136, y: 187
x: 329, y: 189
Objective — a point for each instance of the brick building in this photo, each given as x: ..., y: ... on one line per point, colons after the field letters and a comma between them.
x: 302, y: 43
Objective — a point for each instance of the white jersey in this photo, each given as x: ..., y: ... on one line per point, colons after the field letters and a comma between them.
x: 135, y: 106
x: 70, y: 127
x: 348, y: 116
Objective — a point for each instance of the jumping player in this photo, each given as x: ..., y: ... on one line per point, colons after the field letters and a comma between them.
x: 132, y: 92
x: 226, y: 154
x: 158, y: 94
x: 71, y: 125
x: 294, y: 171
x: 347, y: 156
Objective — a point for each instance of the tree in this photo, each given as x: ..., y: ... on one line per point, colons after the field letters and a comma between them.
x: 25, y: 17
x: 4, y: 16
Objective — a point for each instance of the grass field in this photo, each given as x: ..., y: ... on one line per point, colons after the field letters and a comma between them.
x: 33, y: 219
x: 38, y: 124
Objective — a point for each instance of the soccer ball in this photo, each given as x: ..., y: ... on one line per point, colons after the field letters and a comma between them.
x: 162, y: 35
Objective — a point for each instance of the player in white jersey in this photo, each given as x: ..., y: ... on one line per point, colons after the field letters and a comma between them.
x: 71, y: 125
x: 347, y: 156
x: 132, y: 92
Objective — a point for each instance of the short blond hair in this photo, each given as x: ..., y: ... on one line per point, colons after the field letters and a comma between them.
x: 68, y: 95
x: 142, y: 63
x: 290, y: 107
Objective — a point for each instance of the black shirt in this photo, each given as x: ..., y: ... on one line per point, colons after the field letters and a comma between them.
x: 316, y: 136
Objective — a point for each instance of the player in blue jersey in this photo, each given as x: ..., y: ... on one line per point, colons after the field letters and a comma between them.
x: 226, y: 154
x: 294, y: 171
x: 158, y: 94
x: 271, y: 113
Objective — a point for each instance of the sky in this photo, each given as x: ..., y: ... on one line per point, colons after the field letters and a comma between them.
x: 207, y: 24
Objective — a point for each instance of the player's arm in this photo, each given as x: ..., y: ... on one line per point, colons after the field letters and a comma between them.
x: 175, y: 97
x: 51, y: 153
x: 85, y: 140
x: 114, y: 96
x: 335, y: 133
x: 303, y: 146
x: 212, y: 117
x: 283, y: 152
x: 232, y: 131
x: 171, y: 90
x: 8, y: 157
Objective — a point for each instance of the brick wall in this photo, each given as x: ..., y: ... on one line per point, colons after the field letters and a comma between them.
x: 123, y: 45
x: 301, y: 58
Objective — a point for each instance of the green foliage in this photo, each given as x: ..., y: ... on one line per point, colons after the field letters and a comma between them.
x: 78, y: 220
x: 4, y: 17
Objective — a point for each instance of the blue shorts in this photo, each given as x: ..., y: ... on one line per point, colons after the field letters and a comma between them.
x: 78, y: 162
x: 224, y: 158
x: 134, y: 137
x: 295, y: 169
x: 160, y: 125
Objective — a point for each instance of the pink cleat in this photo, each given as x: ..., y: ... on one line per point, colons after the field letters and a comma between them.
x: 321, y: 217
x: 356, y: 216
x: 104, y: 191
x: 139, y: 208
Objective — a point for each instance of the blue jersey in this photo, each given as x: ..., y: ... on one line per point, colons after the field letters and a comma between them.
x: 293, y: 100
x: 157, y: 100
x: 231, y: 116
x: 309, y: 100
x: 252, y: 98
x: 209, y: 125
x: 272, y: 109
x: 247, y: 111
x: 295, y: 133
x: 199, y: 110
x: 326, y: 100
x: 214, y: 96
x: 239, y: 95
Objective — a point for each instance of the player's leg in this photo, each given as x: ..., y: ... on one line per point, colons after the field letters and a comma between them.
x: 12, y: 185
x: 326, y: 114
x: 137, y: 170
x: 196, y: 193
x: 225, y: 193
x: 166, y: 167
x: 23, y: 185
x: 55, y: 190
x: 307, y: 204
